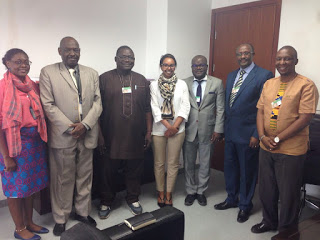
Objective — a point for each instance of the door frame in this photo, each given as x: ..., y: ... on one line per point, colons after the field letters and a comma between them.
x: 277, y: 3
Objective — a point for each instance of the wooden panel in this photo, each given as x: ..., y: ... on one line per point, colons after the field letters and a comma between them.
x: 228, y: 38
x: 262, y: 22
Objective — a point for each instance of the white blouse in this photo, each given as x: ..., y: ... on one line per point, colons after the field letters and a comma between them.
x: 181, y: 106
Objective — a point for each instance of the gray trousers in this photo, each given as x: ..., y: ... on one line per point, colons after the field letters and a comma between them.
x: 70, y: 173
x: 190, y: 150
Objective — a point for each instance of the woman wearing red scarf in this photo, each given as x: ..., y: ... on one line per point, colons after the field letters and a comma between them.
x: 23, y: 134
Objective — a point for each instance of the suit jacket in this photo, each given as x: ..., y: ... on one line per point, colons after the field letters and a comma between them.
x: 59, y: 97
x: 240, y: 122
x: 209, y: 116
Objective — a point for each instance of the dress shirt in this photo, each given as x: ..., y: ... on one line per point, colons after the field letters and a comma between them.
x: 247, y: 69
x: 181, y: 106
x: 203, y: 86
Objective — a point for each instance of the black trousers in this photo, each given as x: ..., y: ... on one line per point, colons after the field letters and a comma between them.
x: 131, y: 170
x: 280, y: 175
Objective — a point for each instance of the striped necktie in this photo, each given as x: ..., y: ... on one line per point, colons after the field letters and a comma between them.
x: 236, y: 88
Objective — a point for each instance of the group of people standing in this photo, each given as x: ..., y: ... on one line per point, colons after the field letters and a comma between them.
x: 123, y: 114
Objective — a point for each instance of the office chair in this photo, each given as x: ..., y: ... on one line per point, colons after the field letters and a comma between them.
x: 312, y: 165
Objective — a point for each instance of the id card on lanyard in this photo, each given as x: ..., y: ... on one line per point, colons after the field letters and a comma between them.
x: 126, y: 90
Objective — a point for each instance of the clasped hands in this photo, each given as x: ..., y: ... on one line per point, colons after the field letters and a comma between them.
x: 78, y: 131
x: 269, y: 142
x: 171, y: 131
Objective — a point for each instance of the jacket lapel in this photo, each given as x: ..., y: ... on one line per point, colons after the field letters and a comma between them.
x: 246, y: 82
x: 206, y: 91
x: 83, y: 76
x: 229, y: 86
x: 66, y: 75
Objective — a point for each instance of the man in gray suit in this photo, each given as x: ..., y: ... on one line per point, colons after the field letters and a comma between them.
x: 203, y: 129
x: 71, y: 99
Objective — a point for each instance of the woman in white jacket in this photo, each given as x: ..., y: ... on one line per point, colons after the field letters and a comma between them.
x: 170, y: 109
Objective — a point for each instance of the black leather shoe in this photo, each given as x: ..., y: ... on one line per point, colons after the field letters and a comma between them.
x: 59, y: 229
x: 224, y: 205
x: 190, y: 199
x: 87, y: 220
x: 243, y: 216
x: 202, y: 200
x: 261, y: 228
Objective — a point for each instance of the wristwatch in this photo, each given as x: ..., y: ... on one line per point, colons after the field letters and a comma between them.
x: 276, y: 139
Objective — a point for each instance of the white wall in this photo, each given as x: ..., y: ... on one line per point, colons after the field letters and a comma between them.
x: 100, y: 27
x: 157, y: 24
x: 188, y: 32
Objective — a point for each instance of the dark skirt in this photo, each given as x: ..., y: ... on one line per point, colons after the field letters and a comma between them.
x: 31, y: 174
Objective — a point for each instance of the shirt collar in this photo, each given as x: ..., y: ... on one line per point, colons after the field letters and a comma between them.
x: 76, y: 68
x: 249, y: 68
x: 203, y: 79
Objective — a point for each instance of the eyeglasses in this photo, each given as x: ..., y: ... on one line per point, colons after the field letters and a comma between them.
x: 199, y: 65
x: 69, y: 50
x: 168, y: 66
x: 243, y: 53
x: 20, y: 62
x: 126, y: 58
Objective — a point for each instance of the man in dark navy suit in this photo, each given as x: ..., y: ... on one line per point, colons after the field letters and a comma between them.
x: 243, y: 89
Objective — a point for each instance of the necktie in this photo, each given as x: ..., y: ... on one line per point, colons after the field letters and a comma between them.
x: 236, y: 88
x: 78, y: 86
x: 72, y: 73
x: 199, y: 92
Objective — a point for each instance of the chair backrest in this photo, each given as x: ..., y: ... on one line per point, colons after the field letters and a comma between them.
x: 312, y: 164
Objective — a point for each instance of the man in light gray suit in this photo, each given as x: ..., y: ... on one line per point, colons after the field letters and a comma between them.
x: 70, y: 96
x: 203, y: 129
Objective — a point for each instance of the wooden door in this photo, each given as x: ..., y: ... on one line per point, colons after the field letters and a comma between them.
x: 256, y: 23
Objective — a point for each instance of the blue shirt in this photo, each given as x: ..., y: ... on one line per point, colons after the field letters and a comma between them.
x: 247, y: 69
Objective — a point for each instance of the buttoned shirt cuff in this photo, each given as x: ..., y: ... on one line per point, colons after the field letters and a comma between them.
x: 86, y: 126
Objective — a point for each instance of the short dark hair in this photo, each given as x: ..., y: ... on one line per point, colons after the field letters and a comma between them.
x: 248, y: 44
x: 294, y: 51
x: 123, y: 47
x: 168, y: 55
x: 10, y: 53
x: 66, y: 38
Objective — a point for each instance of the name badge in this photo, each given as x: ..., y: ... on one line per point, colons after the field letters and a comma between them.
x: 198, y: 99
x: 276, y: 103
x: 126, y: 90
x: 235, y: 90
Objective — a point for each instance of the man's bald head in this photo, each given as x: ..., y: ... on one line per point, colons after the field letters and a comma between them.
x: 69, y: 51
x: 290, y: 49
